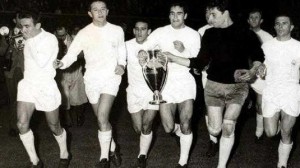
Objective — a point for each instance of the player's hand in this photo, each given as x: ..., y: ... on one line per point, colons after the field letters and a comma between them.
x: 261, y: 71
x: 120, y: 69
x: 57, y: 64
x: 178, y: 45
x: 170, y: 56
x: 242, y: 75
x: 197, y: 71
x: 142, y: 57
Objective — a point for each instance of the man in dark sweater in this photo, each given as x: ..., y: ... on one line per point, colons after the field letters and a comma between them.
x: 227, y: 48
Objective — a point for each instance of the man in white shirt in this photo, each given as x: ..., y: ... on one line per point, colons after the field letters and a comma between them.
x: 38, y: 89
x: 281, y: 95
x: 180, y: 88
x: 255, y: 20
x: 105, y: 55
x: 138, y: 93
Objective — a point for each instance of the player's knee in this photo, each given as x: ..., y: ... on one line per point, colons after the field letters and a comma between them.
x: 185, y: 128
x: 168, y: 128
x: 228, y: 127
x: 23, y: 127
x: 286, y: 132
x: 55, y: 127
x: 214, y: 131
x: 146, y: 128
x: 270, y: 132
x: 137, y: 129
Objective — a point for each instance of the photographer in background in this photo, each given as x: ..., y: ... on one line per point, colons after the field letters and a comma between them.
x: 70, y: 83
x: 13, y: 74
x: 3, y: 95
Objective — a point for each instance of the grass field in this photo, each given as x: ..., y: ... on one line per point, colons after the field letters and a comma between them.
x: 164, y: 153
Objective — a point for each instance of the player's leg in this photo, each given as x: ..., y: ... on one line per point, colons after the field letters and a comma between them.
x: 186, y: 138
x: 24, y: 114
x: 167, y: 115
x: 215, y: 103
x: 231, y: 115
x: 137, y: 121
x: 146, y: 134
x: 286, y: 143
x: 259, y: 118
x: 214, y: 127
x: 60, y: 136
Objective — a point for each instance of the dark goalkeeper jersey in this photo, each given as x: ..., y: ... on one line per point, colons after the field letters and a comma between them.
x: 226, y: 50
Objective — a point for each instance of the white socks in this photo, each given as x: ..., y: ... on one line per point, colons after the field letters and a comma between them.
x: 104, y: 140
x: 177, y: 130
x: 185, y: 146
x: 28, y: 142
x: 62, y: 143
x: 259, y: 126
x: 283, y: 154
x: 226, y: 145
x: 145, y: 142
x: 211, y: 137
x: 112, y: 145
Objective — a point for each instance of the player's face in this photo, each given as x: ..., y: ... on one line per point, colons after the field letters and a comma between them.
x: 28, y: 28
x: 283, y: 26
x: 254, y: 20
x: 141, y: 32
x: 216, y: 17
x: 98, y: 12
x: 177, y: 17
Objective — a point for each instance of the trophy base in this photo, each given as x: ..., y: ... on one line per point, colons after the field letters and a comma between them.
x: 157, y: 102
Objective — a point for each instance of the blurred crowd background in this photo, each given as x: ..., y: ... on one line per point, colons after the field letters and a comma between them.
x: 122, y: 12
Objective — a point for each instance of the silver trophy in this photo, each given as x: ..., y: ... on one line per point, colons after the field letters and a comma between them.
x: 155, y: 74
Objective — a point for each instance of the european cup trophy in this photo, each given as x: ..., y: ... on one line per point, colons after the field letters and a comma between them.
x: 155, y: 74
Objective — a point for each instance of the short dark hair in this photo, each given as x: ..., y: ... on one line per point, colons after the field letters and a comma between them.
x: 181, y: 4
x: 143, y: 20
x: 256, y: 10
x: 221, y: 5
x: 92, y: 1
x: 35, y: 15
x: 284, y: 14
x: 61, y: 28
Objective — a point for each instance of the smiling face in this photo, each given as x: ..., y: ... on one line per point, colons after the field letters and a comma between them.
x: 141, y: 32
x: 98, y: 12
x: 283, y: 27
x: 28, y: 28
x: 177, y: 17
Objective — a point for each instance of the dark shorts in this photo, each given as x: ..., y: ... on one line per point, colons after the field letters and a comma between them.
x: 219, y: 94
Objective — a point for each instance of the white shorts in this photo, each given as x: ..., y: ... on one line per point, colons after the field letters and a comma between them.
x: 45, y: 96
x: 138, y: 99
x: 258, y: 85
x: 276, y: 99
x: 179, y: 89
x: 94, y: 88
